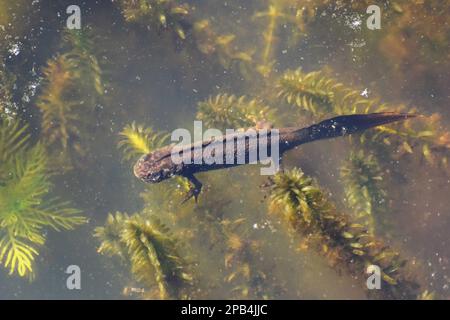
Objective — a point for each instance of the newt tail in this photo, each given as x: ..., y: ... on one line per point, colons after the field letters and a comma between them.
x: 158, y: 165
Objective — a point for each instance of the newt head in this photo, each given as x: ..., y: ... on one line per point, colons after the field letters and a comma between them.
x: 155, y: 167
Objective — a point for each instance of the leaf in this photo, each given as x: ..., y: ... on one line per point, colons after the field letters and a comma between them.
x: 407, y: 147
x: 389, y: 279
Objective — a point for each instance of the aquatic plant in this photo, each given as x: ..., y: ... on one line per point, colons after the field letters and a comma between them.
x: 426, y: 49
x: 150, y: 244
x: 72, y: 87
x: 136, y: 140
x: 13, y: 138
x: 26, y: 209
x: 346, y: 245
x: 318, y: 94
x: 239, y: 47
x: 225, y: 111
x: 111, y: 242
x: 311, y: 91
x: 176, y: 17
x: 272, y: 15
x: 285, y: 14
x: 241, y: 259
x: 79, y: 48
x: 150, y: 250
x: 8, y: 108
x: 60, y: 122
x: 425, y: 136
x: 157, y: 14
x: 364, y: 189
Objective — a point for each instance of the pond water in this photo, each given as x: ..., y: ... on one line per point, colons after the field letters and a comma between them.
x: 78, y: 107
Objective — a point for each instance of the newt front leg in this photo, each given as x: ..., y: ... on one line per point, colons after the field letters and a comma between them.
x: 195, y: 189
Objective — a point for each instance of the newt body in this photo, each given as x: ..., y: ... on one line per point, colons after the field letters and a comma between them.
x: 158, y: 165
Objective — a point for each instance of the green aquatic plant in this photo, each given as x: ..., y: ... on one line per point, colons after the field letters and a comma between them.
x: 26, y: 208
x: 8, y: 108
x: 364, y: 189
x: 13, y: 24
x: 109, y: 234
x: 346, y: 245
x: 13, y: 139
x: 311, y: 92
x: 426, y: 45
x: 272, y: 15
x: 72, y: 87
x: 60, y: 122
x: 228, y: 111
x: 150, y: 250
x: 137, y: 140
x: 160, y: 14
x: 236, y: 39
x: 279, y: 13
x: 79, y: 48
x: 319, y: 95
x: 241, y: 259
x: 425, y: 136
x: 223, y: 48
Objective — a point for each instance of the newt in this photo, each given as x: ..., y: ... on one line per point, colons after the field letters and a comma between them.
x: 158, y: 165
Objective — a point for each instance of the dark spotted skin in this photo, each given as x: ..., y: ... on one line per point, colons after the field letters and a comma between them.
x: 158, y: 166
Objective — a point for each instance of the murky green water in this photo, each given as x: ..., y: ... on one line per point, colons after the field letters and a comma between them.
x: 74, y: 95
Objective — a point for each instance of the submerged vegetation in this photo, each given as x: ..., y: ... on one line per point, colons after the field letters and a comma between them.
x: 228, y: 111
x: 7, y: 107
x: 364, y: 190
x: 26, y: 207
x: 279, y: 14
x: 136, y: 140
x: 345, y: 244
x: 72, y: 87
x: 59, y: 120
x: 310, y: 92
x: 152, y: 252
x: 223, y: 48
x: 159, y: 14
